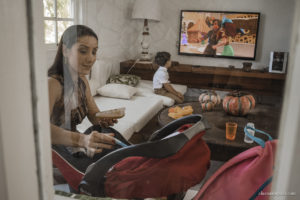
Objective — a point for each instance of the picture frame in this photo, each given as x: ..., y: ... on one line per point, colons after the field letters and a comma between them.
x: 278, y: 62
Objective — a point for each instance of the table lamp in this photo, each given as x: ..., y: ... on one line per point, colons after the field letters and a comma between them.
x: 146, y: 10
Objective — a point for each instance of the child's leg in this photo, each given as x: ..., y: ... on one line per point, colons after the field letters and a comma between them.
x: 164, y: 92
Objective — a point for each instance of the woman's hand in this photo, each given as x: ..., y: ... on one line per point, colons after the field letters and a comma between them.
x: 95, y: 142
x: 106, y: 122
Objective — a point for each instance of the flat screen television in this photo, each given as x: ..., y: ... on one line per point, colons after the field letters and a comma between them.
x: 219, y: 34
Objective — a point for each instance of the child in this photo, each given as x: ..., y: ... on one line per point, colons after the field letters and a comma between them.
x: 161, y: 83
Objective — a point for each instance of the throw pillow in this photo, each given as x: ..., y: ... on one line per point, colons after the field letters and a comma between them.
x: 117, y: 91
x: 126, y: 79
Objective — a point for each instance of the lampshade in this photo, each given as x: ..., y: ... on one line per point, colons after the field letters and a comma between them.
x: 146, y: 9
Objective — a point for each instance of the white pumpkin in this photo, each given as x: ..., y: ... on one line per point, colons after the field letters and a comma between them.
x: 211, y: 96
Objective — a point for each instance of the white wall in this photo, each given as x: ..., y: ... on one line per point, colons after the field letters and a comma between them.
x: 274, y: 32
x: 120, y: 35
x: 111, y: 20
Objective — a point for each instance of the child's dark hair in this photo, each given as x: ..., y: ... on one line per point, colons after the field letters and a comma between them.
x: 162, y: 58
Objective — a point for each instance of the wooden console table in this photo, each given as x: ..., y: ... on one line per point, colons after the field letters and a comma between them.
x: 217, y: 78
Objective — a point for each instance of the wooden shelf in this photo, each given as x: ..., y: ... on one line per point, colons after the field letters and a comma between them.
x: 237, y: 73
x: 221, y: 78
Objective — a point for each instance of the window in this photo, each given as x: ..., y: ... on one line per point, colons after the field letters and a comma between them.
x: 58, y: 15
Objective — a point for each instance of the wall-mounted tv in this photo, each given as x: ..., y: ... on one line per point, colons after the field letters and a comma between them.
x: 219, y: 34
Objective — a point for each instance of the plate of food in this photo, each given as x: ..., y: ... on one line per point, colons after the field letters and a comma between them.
x: 177, y: 111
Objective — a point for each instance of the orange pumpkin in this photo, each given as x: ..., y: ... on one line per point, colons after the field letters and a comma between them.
x: 207, y: 106
x: 238, y: 103
x: 210, y: 96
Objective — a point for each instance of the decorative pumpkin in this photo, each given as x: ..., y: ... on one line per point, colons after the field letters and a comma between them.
x: 211, y: 96
x: 238, y: 103
x: 207, y: 106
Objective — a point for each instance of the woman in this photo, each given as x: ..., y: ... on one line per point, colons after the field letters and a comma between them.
x: 70, y: 99
x: 161, y: 83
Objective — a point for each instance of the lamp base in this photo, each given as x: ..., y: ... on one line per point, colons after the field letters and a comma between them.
x: 145, y: 56
x: 145, y: 43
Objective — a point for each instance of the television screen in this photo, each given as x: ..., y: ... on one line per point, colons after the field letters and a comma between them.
x: 219, y: 34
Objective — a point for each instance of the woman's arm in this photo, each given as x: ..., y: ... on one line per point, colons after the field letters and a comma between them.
x: 95, y: 141
x: 70, y: 138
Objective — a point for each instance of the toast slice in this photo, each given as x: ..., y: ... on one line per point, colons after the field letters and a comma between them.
x: 114, y: 113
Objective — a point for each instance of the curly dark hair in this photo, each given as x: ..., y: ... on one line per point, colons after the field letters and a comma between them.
x: 162, y: 58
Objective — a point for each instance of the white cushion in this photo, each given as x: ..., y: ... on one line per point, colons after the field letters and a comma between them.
x: 100, y: 72
x: 114, y: 90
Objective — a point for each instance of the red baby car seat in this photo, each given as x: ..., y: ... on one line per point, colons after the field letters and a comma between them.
x: 174, y: 159
x: 246, y: 176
